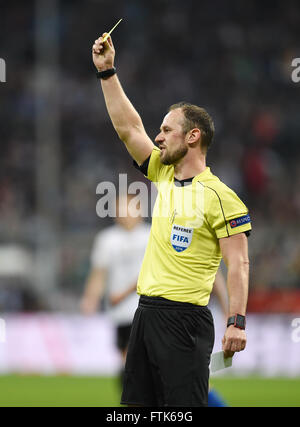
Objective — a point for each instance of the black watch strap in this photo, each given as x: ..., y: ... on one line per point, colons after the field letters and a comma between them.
x: 237, y: 320
x: 106, y: 73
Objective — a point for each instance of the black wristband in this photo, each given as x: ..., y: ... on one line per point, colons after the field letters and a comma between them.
x: 106, y: 73
x: 237, y: 321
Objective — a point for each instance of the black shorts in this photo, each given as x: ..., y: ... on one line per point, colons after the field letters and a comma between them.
x: 123, y: 334
x: 169, y: 354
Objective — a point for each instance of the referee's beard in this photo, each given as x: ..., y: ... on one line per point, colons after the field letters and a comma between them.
x: 172, y: 158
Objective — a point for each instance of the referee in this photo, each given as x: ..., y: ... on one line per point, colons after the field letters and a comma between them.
x: 196, y: 221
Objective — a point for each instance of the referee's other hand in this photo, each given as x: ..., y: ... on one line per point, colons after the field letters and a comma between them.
x: 234, y: 340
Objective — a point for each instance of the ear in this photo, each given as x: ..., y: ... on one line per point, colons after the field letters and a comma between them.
x: 194, y: 135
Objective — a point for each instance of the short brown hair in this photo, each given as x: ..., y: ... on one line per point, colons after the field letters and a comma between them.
x: 197, y: 117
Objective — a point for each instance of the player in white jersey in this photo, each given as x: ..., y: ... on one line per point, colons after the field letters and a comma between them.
x: 116, y: 260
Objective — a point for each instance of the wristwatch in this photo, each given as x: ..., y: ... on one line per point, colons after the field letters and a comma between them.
x: 238, y: 321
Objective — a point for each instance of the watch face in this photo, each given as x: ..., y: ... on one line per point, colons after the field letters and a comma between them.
x: 240, y: 321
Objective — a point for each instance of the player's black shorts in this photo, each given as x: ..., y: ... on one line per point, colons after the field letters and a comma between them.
x: 169, y: 354
x: 123, y: 334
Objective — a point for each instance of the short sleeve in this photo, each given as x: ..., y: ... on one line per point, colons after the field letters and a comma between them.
x: 152, y: 167
x: 228, y: 215
x: 143, y: 167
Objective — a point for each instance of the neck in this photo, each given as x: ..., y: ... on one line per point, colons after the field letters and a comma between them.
x: 189, y: 167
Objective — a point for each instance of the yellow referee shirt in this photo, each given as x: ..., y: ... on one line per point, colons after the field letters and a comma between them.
x: 183, y: 252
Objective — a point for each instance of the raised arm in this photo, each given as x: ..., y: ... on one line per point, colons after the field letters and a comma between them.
x: 235, y: 254
x: 125, y: 119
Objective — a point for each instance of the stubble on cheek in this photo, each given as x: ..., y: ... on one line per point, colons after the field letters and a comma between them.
x: 168, y: 158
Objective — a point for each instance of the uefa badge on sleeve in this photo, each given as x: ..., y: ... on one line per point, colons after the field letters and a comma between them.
x: 237, y: 222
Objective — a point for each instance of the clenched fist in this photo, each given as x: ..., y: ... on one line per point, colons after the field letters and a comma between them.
x: 233, y: 341
x: 103, y: 53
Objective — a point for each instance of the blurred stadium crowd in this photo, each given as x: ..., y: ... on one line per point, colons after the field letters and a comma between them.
x: 234, y: 58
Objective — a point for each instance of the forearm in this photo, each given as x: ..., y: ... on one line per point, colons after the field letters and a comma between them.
x: 122, y: 113
x: 93, y: 292
x: 235, y: 254
x: 237, y: 285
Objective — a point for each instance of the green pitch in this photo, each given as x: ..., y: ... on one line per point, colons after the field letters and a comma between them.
x: 105, y: 391
x: 255, y: 391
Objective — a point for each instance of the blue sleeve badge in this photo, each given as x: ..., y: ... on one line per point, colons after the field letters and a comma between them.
x: 240, y: 221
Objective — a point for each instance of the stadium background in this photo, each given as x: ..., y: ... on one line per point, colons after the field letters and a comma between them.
x: 57, y: 145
